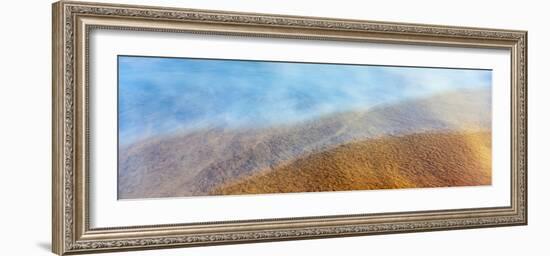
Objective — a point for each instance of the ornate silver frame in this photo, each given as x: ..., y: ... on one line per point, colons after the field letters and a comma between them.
x: 72, y: 22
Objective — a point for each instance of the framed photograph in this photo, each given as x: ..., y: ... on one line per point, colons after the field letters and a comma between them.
x: 179, y: 127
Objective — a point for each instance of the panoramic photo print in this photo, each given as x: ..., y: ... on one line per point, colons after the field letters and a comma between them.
x: 205, y: 127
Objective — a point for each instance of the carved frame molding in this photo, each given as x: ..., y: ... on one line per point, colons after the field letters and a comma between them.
x: 72, y: 22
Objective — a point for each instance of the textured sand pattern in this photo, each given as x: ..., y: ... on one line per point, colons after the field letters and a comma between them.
x: 410, y: 161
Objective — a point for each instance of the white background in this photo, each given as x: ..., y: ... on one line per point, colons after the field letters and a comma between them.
x: 107, y: 211
x: 25, y: 101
